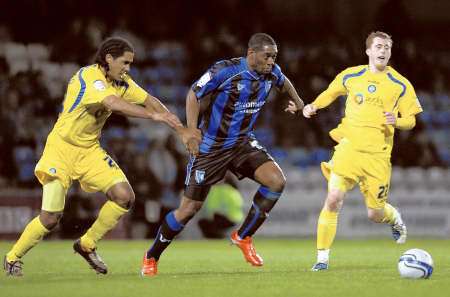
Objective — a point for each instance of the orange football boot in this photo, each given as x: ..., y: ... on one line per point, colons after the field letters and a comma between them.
x: 247, y: 248
x: 149, y: 266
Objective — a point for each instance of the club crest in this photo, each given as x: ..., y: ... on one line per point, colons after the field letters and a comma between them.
x: 359, y: 98
x: 199, y: 176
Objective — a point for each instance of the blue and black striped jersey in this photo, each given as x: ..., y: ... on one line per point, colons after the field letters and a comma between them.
x: 235, y: 94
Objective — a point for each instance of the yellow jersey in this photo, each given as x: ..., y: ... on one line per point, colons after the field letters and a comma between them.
x: 369, y: 95
x: 83, y: 115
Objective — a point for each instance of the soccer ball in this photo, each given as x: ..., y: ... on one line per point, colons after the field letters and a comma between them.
x: 415, y: 263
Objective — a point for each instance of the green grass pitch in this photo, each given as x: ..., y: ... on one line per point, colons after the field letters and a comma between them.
x: 214, y: 268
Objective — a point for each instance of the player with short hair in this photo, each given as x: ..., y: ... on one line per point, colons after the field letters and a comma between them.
x: 229, y: 97
x: 376, y: 94
x: 73, y: 151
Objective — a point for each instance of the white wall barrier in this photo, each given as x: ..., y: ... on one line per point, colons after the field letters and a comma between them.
x: 422, y: 196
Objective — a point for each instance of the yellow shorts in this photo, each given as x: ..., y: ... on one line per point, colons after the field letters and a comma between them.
x: 92, y: 167
x: 372, y: 171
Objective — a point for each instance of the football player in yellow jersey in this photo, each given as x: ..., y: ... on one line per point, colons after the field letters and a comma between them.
x: 73, y: 152
x: 379, y: 100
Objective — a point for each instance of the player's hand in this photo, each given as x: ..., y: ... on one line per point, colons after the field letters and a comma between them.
x: 192, y: 146
x: 292, y: 107
x: 191, y: 139
x: 309, y: 110
x: 168, y: 118
x: 391, y: 119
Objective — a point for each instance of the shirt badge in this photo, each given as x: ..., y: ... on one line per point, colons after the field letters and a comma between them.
x: 199, y: 176
x: 99, y: 85
x: 359, y: 98
x: 204, y: 79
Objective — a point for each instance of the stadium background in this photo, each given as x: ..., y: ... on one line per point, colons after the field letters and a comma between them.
x: 43, y: 43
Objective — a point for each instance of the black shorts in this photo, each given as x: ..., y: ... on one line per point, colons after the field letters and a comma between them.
x: 207, y: 169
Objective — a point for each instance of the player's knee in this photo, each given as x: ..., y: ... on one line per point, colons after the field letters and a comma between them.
x: 130, y: 199
x: 126, y: 200
x: 276, y: 182
x: 123, y: 196
x: 50, y: 219
x: 375, y: 215
x: 334, y: 201
x: 280, y: 183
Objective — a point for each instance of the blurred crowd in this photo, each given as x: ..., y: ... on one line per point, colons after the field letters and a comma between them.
x: 36, y: 64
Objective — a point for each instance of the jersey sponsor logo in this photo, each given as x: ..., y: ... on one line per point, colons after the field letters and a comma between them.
x: 375, y: 101
x: 248, y: 107
x: 99, y: 85
x: 204, y: 79
x: 240, y: 87
x: 371, y: 88
x: 199, y: 176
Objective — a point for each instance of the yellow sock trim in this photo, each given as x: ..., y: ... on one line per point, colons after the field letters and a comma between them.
x: 389, y: 211
x: 326, y: 229
x: 32, y: 234
x: 108, y: 218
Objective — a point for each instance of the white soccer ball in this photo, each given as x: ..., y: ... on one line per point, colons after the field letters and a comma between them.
x: 415, y: 263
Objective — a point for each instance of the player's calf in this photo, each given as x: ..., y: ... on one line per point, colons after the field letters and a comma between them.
x: 263, y: 202
x: 170, y: 228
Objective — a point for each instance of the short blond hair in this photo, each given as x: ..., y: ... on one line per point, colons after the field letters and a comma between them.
x: 379, y: 34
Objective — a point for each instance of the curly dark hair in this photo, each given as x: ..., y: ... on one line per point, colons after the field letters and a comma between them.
x: 115, y: 46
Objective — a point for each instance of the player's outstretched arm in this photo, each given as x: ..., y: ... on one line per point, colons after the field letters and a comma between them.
x: 161, y: 113
x: 154, y: 104
x: 117, y: 104
x: 334, y: 90
x: 296, y: 104
x: 186, y: 134
x: 154, y: 110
